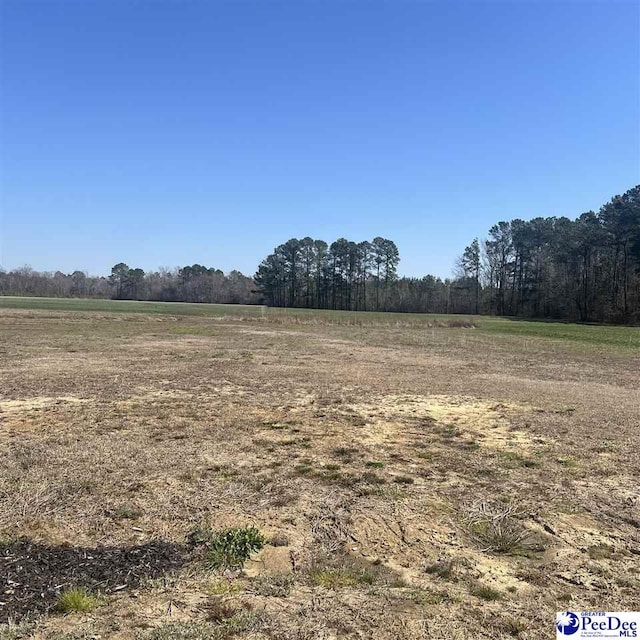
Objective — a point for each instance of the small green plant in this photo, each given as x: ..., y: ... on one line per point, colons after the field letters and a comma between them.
x: 230, y: 548
x: 6, y: 540
x: 223, y: 587
x: 450, y: 431
x: 76, y: 600
x: 374, y: 465
x: 340, y: 577
x: 484, y: 592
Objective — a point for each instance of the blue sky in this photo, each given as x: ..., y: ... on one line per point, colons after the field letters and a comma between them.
x: 168, y: 132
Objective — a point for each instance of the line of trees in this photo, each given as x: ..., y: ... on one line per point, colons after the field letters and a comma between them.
x: 194, y: 283
x: 355, y: 276
x: 587, y: 269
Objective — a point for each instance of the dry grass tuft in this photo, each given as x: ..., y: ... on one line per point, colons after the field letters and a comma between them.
x: 496, y: 526
x: 330, y: 523
x: 278, y: 586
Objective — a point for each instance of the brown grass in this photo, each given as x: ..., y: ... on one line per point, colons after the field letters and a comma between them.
x: 380, y: 460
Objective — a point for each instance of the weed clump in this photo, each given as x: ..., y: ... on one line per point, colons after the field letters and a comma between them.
x: 76, y: 600
x: 223, y: 587
x: 16, y: 631
x: 600, y: 551
x: 279, y: 540
x: 484, y: 592
x: 342, y: 570
x: 230, y: 548
x: 496, y: 527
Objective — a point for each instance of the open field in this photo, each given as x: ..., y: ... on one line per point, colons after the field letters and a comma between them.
x: 605, y: 335
x: 412, y: 476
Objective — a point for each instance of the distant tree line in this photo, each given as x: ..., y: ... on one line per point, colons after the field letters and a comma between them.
x: 356, y: 276
x: 194, y: 283
x: 587, y: 269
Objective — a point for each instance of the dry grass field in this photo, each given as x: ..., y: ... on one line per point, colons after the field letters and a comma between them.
x: 390, y: 476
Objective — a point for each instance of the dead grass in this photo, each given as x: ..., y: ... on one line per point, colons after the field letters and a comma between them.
x: 496, y: 526
x: 380, y: 458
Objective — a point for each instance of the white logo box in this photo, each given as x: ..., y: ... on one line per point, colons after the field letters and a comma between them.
x: 575, y: 625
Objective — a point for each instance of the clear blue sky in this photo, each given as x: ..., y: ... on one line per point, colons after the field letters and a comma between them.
x: 171, y: 132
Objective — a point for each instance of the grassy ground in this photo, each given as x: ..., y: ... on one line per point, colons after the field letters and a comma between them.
x: 389, y: 475
x: 620, y: 337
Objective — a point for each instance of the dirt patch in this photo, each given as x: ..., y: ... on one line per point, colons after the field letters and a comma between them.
x: 30, y: 404
x: 485, y: 421
x: 270, y: 561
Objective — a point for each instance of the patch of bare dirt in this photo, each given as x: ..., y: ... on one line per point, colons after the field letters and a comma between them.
x: 29, y: 404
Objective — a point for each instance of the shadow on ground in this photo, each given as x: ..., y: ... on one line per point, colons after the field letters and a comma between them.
x: 32, y: 575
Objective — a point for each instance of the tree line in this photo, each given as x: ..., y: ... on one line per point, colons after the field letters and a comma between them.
x: 194, y: 283
x: 585, y: 269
